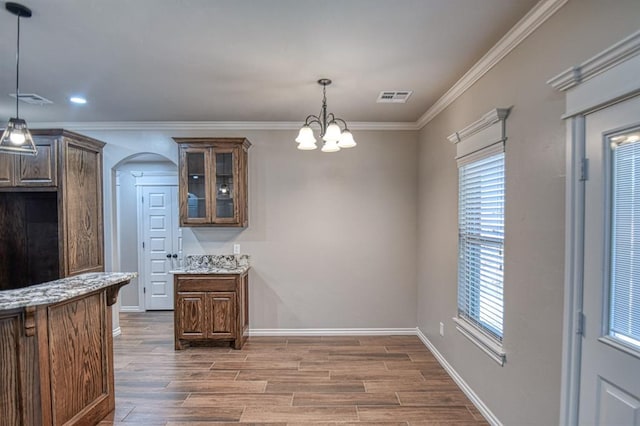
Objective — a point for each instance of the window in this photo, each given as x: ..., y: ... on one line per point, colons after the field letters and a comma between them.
x: 624, y: 309
x: 481, y: 243
x: 481, y: 206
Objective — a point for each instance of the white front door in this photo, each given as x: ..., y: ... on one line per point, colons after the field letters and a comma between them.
x: 162, y: 244
x: 610, y: 360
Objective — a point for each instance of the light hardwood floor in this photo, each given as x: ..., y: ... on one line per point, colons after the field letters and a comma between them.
x: 391, y: 380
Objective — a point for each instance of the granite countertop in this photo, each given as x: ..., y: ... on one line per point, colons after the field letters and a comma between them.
x: 62, y: 289
x: 214, y: 264
x: 238, y: 270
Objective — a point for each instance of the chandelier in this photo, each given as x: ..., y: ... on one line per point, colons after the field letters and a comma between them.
x: 16, y: 138
x: 333, y: 135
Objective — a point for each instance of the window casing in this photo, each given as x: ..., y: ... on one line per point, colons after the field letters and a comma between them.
x: 480, y: 154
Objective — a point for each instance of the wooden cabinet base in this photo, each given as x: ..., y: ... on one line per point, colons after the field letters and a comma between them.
x: 56, y: 362
x: 210, y: 309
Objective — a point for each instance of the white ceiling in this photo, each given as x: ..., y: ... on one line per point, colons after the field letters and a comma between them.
x: 243, y: 60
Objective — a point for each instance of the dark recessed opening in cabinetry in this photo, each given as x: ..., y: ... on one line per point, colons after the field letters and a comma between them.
x: 29, y: 252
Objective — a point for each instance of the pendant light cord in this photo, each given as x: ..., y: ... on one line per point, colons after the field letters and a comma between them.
x: 18, y: 68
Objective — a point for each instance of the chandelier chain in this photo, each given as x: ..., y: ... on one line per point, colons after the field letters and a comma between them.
x: 18, y: 69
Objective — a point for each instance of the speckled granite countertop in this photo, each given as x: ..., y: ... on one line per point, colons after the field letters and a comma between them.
x: 62, y: 289
x: 239, y: 270
x: 214, y: 264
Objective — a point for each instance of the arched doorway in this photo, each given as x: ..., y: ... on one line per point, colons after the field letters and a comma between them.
x: 146, y: 229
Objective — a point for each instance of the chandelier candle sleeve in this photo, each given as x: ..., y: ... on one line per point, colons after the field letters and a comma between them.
x: 334, y: 136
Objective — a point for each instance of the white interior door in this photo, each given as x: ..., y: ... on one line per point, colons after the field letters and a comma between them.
x: 162, y: 245
x: 610, y: 360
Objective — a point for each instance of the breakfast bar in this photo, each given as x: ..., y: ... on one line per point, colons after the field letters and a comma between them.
x: 56, y: 350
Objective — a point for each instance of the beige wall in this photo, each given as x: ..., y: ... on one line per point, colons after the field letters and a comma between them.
x: 331, y: 236
x: 526, y: 391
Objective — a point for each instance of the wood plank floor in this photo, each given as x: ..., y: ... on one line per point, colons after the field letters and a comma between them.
x: 384, y: 380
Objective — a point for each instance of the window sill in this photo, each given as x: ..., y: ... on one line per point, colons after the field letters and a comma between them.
x: 481, y: 340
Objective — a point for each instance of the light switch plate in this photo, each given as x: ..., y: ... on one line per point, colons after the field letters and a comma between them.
x: 236, y: 249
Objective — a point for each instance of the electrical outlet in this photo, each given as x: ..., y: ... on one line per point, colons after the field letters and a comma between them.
x: 442, y: 329
x: 236, y: 249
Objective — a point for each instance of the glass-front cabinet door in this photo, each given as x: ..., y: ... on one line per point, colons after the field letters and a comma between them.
x: 226, y: 186
x: 194, y: 189
x: 213, y: 181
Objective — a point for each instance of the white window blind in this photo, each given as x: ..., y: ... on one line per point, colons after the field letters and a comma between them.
x: 481, y: 240
x: 624, y: 321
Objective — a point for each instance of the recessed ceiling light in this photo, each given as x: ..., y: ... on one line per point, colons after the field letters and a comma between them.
x: 78, y: 100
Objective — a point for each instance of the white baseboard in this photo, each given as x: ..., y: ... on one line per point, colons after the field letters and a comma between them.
x: 486, y: 412
x: 331, y: 331
x: 117, y: 331
x: 131, y: 309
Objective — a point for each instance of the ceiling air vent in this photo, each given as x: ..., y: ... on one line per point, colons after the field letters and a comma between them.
x: 31, y: 98
x: 394, y: 96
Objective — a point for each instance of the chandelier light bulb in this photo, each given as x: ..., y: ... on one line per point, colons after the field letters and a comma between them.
x: 17, y: 137
x: 346, y: 140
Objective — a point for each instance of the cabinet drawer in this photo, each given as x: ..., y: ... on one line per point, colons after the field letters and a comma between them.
x: 206, y: 283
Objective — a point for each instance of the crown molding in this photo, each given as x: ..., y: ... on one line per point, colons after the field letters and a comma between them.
x: 209, y: 125
x: 487, y: 120
x: 527, y: 25
x: 601, y: 62
x: 542, y: 11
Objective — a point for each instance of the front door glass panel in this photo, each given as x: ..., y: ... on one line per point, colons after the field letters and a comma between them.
x: 624, y: 274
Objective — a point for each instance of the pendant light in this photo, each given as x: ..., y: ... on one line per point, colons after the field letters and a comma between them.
x: 16, y: 138
x: 334, y: 137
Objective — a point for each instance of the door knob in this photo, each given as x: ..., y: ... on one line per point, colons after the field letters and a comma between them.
x: 175, y: 255
x: 169, y: 256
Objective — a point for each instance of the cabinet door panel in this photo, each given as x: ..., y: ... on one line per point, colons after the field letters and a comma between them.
x: 190, y: 312
x: 195, y: 174
x: 221, y: 313
x: 38, y: 170
x: 226, y: 188
x: 83, y: 210
x: 6, y: 169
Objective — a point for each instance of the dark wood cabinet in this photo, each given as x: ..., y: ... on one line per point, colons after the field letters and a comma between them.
x: 211, y: 308
x: 51, y: 223
x: 39, y: 171
x: 56, y: 361
x: 213, y: 181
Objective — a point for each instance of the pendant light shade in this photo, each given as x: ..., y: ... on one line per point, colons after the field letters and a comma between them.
x: 330, y: 146
x: 16, y: 138
x: 346, y: 140
x: 306, y: 136
x: 332, y: 134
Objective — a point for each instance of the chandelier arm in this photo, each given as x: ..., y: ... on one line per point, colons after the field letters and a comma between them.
x: 344, y: 123
x: 312, y: 119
